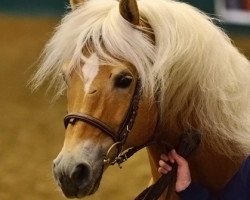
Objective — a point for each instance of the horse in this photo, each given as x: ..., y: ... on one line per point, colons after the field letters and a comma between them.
x: 139, y: 70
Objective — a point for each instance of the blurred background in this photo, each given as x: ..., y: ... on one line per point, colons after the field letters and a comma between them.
x: 31, y: 125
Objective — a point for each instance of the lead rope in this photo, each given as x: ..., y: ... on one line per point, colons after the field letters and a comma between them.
x: 189, y: 141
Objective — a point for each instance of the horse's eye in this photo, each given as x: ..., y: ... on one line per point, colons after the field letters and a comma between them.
x: 123, y: 81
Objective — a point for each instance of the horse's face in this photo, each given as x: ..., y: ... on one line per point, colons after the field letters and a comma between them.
x: 104, y: 92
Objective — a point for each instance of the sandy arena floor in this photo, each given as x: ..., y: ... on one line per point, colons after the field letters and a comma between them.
x: 31, y: 126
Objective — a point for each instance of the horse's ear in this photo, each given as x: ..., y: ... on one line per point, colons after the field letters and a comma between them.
x: 129, y: 11
x: 75, y: 3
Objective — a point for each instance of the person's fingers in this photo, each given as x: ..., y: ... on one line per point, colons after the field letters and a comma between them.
x: 171, y: 157
x: 164, y: 165
x: 162, y: 170
x: 179, y: 159
x: 164, y: 157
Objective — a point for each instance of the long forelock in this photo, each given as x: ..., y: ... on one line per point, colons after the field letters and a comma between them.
x: 98, y: 25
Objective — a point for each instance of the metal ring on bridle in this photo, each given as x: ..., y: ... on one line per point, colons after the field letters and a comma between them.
x: 107, y: 159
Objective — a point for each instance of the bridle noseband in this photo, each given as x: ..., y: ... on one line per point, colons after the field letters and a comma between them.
x: 120, y: 137
x: 72, y: 118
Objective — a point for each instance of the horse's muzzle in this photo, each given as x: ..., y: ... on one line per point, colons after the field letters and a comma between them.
x: 74, y: 180
x: 77, y: 179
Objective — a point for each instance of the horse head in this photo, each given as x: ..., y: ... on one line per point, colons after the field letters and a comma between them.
x: 101, y: 121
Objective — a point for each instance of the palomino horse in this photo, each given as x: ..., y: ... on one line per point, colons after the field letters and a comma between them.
x: 134, y: 71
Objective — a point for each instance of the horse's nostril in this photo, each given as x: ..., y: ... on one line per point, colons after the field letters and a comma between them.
x: 80, y: 174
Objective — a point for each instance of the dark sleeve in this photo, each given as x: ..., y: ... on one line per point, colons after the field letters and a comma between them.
x: 236, y: 188
x: 196, y: 192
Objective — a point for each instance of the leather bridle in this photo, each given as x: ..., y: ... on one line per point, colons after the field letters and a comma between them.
x: 120, y: 137
x: 188, y: 142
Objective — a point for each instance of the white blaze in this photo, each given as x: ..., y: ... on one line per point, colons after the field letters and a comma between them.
x: 90, y: 70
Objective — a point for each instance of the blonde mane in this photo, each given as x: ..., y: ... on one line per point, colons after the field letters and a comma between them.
x: 203, y: 80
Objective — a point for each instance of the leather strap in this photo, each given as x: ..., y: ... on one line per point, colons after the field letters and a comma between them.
x: 131, y: 114
x: 72, y: 118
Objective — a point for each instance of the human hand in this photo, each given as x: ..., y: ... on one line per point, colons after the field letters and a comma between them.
x: 183, y: 172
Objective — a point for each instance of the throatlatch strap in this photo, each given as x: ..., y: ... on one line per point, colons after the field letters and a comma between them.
x: 189, y: 141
